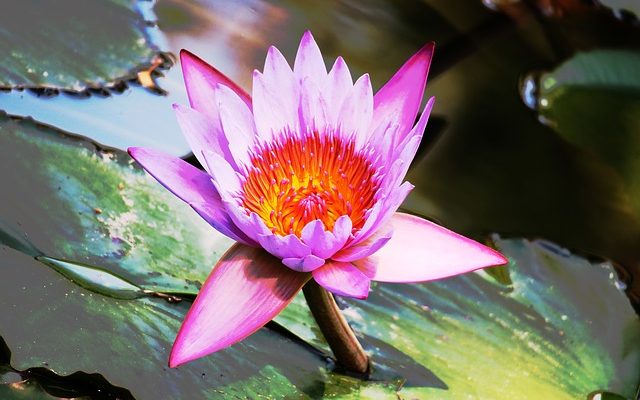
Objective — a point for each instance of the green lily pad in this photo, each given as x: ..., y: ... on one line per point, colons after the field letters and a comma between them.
x: 72, y: 44
x: 561, y: 330
x: 128, y: 341
x: 73, y: 200
x: 607, y: 84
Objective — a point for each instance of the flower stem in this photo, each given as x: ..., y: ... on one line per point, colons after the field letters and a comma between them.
x: 343, y: 342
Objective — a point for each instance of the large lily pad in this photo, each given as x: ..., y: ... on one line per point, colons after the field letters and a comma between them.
x: 71, y: 329
x: 607, y: 83
x: 72, y: 200
x: 71, y: 44
x: 562, y: 330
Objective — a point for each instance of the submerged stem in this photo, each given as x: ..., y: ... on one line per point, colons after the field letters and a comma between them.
x: 343, y: 342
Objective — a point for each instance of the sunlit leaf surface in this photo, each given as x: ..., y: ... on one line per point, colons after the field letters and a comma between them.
x: 73, y: 200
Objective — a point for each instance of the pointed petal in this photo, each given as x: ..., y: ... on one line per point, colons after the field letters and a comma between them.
x: 201, y: 78
x: 246, y: 290
x: 381, y: 215
x: 357, y: 109
x: 237, y: 122
x: 275, y: 96
x: 313, y: 107
x: 215, y: 214
x: 405, y: 150
x: 420, y: 250
x: 339, y: 84
x: 309, y: 62
x: 289, y: 246
x: 366, y: 247
x: 325, y: 244
x: 181, y: 178
x: 343, y: 279
x: 225, y: 178
x: 203, y: 132
x: 398, y: 100
x: 304, y: 264
x: 192, y: 186
x: 252, y: 225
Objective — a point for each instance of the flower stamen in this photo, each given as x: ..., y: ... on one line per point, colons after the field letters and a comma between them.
x: 301, y: 178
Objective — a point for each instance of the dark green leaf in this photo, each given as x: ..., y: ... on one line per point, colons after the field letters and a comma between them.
x: 593, y: 101
x: 71, y: 44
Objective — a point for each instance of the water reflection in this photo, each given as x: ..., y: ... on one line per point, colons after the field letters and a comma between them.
x: 133, y: 118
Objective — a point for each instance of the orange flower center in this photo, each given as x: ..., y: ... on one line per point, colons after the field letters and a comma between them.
x: 300, y: 179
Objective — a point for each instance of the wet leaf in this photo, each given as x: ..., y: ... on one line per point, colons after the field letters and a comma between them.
x: 71, y: 44
x: 128, y: 341
x: 94, y: 279
x: 607, y: 84
x: 548, y: 315
x: 72, y: 200
x: 564, y: 318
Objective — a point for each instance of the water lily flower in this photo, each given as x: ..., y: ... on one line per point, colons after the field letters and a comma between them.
x: 306, y: 174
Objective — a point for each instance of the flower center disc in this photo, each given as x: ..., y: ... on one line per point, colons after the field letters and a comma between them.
x: 296, y: 180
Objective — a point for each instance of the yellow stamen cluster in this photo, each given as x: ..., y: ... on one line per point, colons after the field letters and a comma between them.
x: 296, y: 180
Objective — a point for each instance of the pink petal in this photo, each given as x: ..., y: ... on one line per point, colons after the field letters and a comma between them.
x: 309, y: 62
x: 215, y: 214
x: 181, y: 178
x: 406, y: 149
x: 325, y: 244
x: 343, y: 279
x: 339, y: 84
x: 304, y: 264
x: 192, y: 186
x: 397, y: 102
x: 313, y: 107
x: 275, y: 96
x: 237, y: 122
x: 342, y: 229
x: 201, y: 79
x: 289, y: 246
x: 252, y: 225
x: 203, y: 132
x: 420, y: 250
x: 246, y: 289
x: 366, y: 247
x: 357, y: 109
x: 401, y: 154
x: 225, y: 178
x: 381, y: 215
